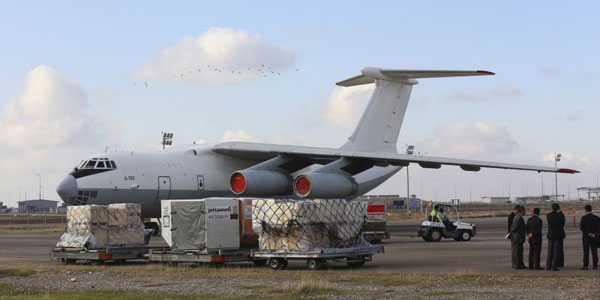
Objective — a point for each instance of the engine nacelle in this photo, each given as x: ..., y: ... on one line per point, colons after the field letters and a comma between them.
x: 259, y: 183
x: 324, y: 185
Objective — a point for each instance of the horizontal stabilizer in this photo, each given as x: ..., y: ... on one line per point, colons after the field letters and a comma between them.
x: 369, y: 75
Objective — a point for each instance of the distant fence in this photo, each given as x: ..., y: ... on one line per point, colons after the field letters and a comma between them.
x: 24, y: 219
x: 567, y: 206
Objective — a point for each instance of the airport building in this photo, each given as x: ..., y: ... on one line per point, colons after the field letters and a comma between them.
x: 592, y: 193
x: 495, y: 200
x: 41, y: 205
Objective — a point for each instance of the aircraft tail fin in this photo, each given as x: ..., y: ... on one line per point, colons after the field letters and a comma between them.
x: 380, y: 124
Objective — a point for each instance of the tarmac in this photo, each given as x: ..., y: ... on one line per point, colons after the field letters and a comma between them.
x: 487, y: 253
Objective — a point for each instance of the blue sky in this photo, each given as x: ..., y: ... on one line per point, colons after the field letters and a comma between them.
x: 542, y: 100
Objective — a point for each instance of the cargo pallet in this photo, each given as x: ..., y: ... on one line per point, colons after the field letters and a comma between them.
x: 174, y: 257
x: 98, y: 256
x: 354, y: 257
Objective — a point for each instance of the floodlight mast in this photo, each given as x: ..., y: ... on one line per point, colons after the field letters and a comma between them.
x: 556, y: 160
x: 409, y: 150
x: 167, y: 139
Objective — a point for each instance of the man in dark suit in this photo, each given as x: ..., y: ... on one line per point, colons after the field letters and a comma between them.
x: 589, y: 226
x: 518, y: 231
x: 511, y: 217
x: 534, y: 232
x: 556, y: 235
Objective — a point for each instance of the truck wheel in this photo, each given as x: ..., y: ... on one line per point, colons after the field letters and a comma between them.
x: 277, y: 263
x: 314, y: 264
x: 435, y: 235
x: 425, y: 238
x: 465, y: 235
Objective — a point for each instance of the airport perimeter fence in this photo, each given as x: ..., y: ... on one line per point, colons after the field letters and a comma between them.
x: 491, y: 208
x: 33, y: 219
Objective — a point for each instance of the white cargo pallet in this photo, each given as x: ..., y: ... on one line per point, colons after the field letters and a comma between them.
x: 354, y: 256
x: 197, y: 256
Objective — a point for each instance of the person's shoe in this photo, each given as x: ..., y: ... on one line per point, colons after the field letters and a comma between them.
x: 555, y: 269
x: 520, y: 268
x: 583, y: 268
x: 548, y: 269
x: 539, y: 268
x: 595, y: 267
x: 530, y: 268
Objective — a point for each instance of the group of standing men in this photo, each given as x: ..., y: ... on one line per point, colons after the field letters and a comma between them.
x: 518, y: 230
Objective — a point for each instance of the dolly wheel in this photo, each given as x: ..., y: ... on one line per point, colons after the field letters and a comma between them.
x: 259, y: 262
x: 355, y: 263
x: 277, y: 263
x: 313, y: 264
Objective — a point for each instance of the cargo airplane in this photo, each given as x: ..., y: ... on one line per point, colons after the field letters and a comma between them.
x: 366, y: 160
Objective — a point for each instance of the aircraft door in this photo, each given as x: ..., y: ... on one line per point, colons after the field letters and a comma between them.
x: 164, y: 188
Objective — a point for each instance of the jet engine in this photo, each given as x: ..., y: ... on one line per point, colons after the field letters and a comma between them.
x: 324, y: 185
x: 259, y: 183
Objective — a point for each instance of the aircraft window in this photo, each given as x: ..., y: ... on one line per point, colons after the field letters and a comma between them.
x: 100, y: 165
x: 90, y: 165
x: 94, y: 194
x: 114, y: 166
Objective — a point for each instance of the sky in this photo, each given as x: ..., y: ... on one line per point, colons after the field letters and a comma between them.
x: 76, y: 78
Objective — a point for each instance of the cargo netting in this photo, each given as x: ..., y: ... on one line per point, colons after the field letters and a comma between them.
x: 308, y: 225
x: 97, y: 226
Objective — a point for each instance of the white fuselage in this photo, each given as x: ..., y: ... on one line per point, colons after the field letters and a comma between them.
x: 192, y: 173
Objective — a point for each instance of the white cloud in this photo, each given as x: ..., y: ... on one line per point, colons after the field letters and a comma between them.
x: 549, y: 71
x: 345, y: 105
x: 224, y: 50
x: 237, y: 136
x: 47, y: 128
x: 574, y: 116
x: 504, y: 91
x: 464, y: 137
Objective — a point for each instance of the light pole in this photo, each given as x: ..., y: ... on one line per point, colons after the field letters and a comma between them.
x: 556, y: 160
x: 40, y: 186
x: 597, y: 188
x: 409, y: 151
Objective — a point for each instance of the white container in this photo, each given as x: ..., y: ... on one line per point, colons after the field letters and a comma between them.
x: 201, y: 224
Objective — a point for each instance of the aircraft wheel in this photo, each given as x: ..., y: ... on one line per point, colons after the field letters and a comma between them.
x: 465, y: 235
x: 435, y: 235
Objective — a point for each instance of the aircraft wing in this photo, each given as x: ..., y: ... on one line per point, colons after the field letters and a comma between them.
x: 260, y: 152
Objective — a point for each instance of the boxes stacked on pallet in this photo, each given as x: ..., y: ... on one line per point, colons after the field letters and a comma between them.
x: 87, y: 225
x: 125, y: 224
x: 306, y: 225
x: 97, y: 226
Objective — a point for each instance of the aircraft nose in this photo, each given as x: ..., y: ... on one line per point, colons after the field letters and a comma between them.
x: 67, y: 189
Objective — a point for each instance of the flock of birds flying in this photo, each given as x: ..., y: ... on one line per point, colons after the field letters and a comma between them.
x: 262, y: 71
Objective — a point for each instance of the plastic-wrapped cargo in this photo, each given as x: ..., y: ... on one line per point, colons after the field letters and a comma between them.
x: 306, y: 225
x: 125, y: 224
x: 97, y: 226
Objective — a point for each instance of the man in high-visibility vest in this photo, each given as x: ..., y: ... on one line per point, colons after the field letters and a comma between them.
x: 435, y: 215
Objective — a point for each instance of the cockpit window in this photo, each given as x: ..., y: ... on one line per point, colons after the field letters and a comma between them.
x: 97, y: 163
x: 90, y: 164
